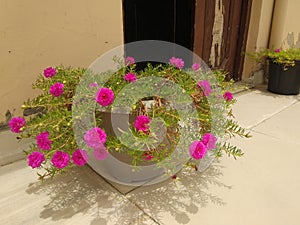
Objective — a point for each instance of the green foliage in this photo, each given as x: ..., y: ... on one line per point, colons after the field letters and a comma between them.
x: 233, y: 129
x: 287, y: 57
x: 230, y: 150
x: 55, y: 114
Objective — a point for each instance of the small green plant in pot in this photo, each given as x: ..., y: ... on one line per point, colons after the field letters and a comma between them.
x: 284, y: 69
x: 189, y: 115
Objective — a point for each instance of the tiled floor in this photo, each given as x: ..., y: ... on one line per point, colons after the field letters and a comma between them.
x: 261, y: 188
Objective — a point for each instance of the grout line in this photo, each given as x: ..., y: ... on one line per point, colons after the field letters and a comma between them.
x: 140, y: 208
x: 135, y: 188
x: 12, y: 162
x: 275, y: 137
x: 106, y: 181
x: 272, y: 115
x: 258, y: 132
x: 125, y: 196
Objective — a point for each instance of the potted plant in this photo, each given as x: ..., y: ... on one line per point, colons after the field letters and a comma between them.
x: 82, y: 117
x: 284, y: 69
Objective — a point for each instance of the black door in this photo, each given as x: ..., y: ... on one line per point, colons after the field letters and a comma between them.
x: 166, y: 20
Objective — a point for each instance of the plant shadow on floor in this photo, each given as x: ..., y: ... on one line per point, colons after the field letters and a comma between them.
x: 84, y: 195
x: 180, y: 198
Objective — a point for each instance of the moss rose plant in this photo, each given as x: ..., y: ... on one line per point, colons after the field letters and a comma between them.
x: 55, y: 149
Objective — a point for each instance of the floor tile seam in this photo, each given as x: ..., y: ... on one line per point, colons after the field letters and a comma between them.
x: 125, y: 197
x: 141, y: 209
x: 274, y: 137
x: 119, y: 192
x: 9, y: 163
x: 269, y: 116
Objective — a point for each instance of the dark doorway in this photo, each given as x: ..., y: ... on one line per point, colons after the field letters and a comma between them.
x: 190, y: 23
x: 165, y: 20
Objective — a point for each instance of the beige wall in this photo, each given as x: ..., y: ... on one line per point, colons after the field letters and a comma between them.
x: 286, y: 25
x: 283, y: 31
x: 35, y: 34
x: 258, y: 34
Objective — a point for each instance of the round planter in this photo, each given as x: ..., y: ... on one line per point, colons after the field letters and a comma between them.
x: 283, y: 81
x: 117, y: 166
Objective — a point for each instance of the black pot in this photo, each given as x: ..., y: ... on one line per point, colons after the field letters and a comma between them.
x: 284, y: 81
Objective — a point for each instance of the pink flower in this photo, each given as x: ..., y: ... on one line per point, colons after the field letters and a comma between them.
x: 278, y: 50
x: 142, y: 123
x: 196, y: 66
x: 177, y: 62
x: 131, y: 77
x: 197, y: 150
x: 209, y: 140
x: 95, y: 137
x: 93, y: 85
x: 60, y: 159
x: 205, y: 86
x: 49, y: 72
x: 105, y: 96
x: 129, y: 61
x: 100, y: 152
x: 148, y: 156
x: 16, y: 124
x: 228, y: 96
x: 35, y: 159
x: 80, y: 157
x: 43, y: 141
x: 57, y: 89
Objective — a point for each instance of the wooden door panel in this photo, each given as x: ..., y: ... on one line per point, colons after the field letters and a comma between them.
x: 233, y: 18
